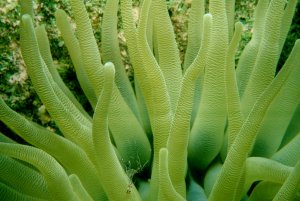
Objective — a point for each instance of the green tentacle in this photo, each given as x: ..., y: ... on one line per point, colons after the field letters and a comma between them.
x: 8, y: 193
x: 180, y: 129
x: 290, y: 186
x: 288, y: 15
x: 27, y: 7
x: 131, y: 141
x: 166, y: 190
x: 88, y: 46
x: 263, y: 169
x: 73, y: 47
x: 109, y: 167
x: 22, y: 178
x: 76, y: 128
x: 130, y: 32
x: 264, y: 191
x: 293, y: 128
x: 195, y: 192
x: 210, y: 177
x: 79, y: 189
x: 4, y: 138
x: 267, y: 56
x: 248, y: 57
x: 236, y: 158
x: 208, y: 130
x: 111, y: 53
x: 166, y: 49
x: 45, y: 52
x: 235, y: 119
x: 278, y: 117
x: 52, y: 171
x: 157, y: 98
x: 230, y: 8
x: 290, y: 153
x: 54, y: 144
x: 194, y: 32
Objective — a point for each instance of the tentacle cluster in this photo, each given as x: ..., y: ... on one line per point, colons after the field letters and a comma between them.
x: 206, y: 129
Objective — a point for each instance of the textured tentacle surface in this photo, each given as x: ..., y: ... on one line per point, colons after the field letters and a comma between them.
x: 186, y: 129
x: 258, y: 168
x: 157, y: 98
x: 8, y: 193
x: 267, y: 56
x: 194, y: 32
x: 166, y: 190
x: 248, y: 57
x: 54, y: 144
x: 74, y: 50
x: 111, y: 53
x: 44, y: 48
x: 278, y: 116
x: 109, y: 167
x: 88, y: 46
x: 208, y: 129
x: 79, y: 128
x: 166, y: 49
x: 234, y: 114
x: 52, y: 171
x: 22, y: 178
x: 289, y: 154
x: 240, y: 149
x: 290, y: 186
x: 180, y: 130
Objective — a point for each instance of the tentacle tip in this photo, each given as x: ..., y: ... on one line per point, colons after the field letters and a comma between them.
x: 208, y: 15
x: 109, y: 68
x: 26, y: 17
x: 163, y: 153
x: 59, y: 12
x: 238, y: 25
